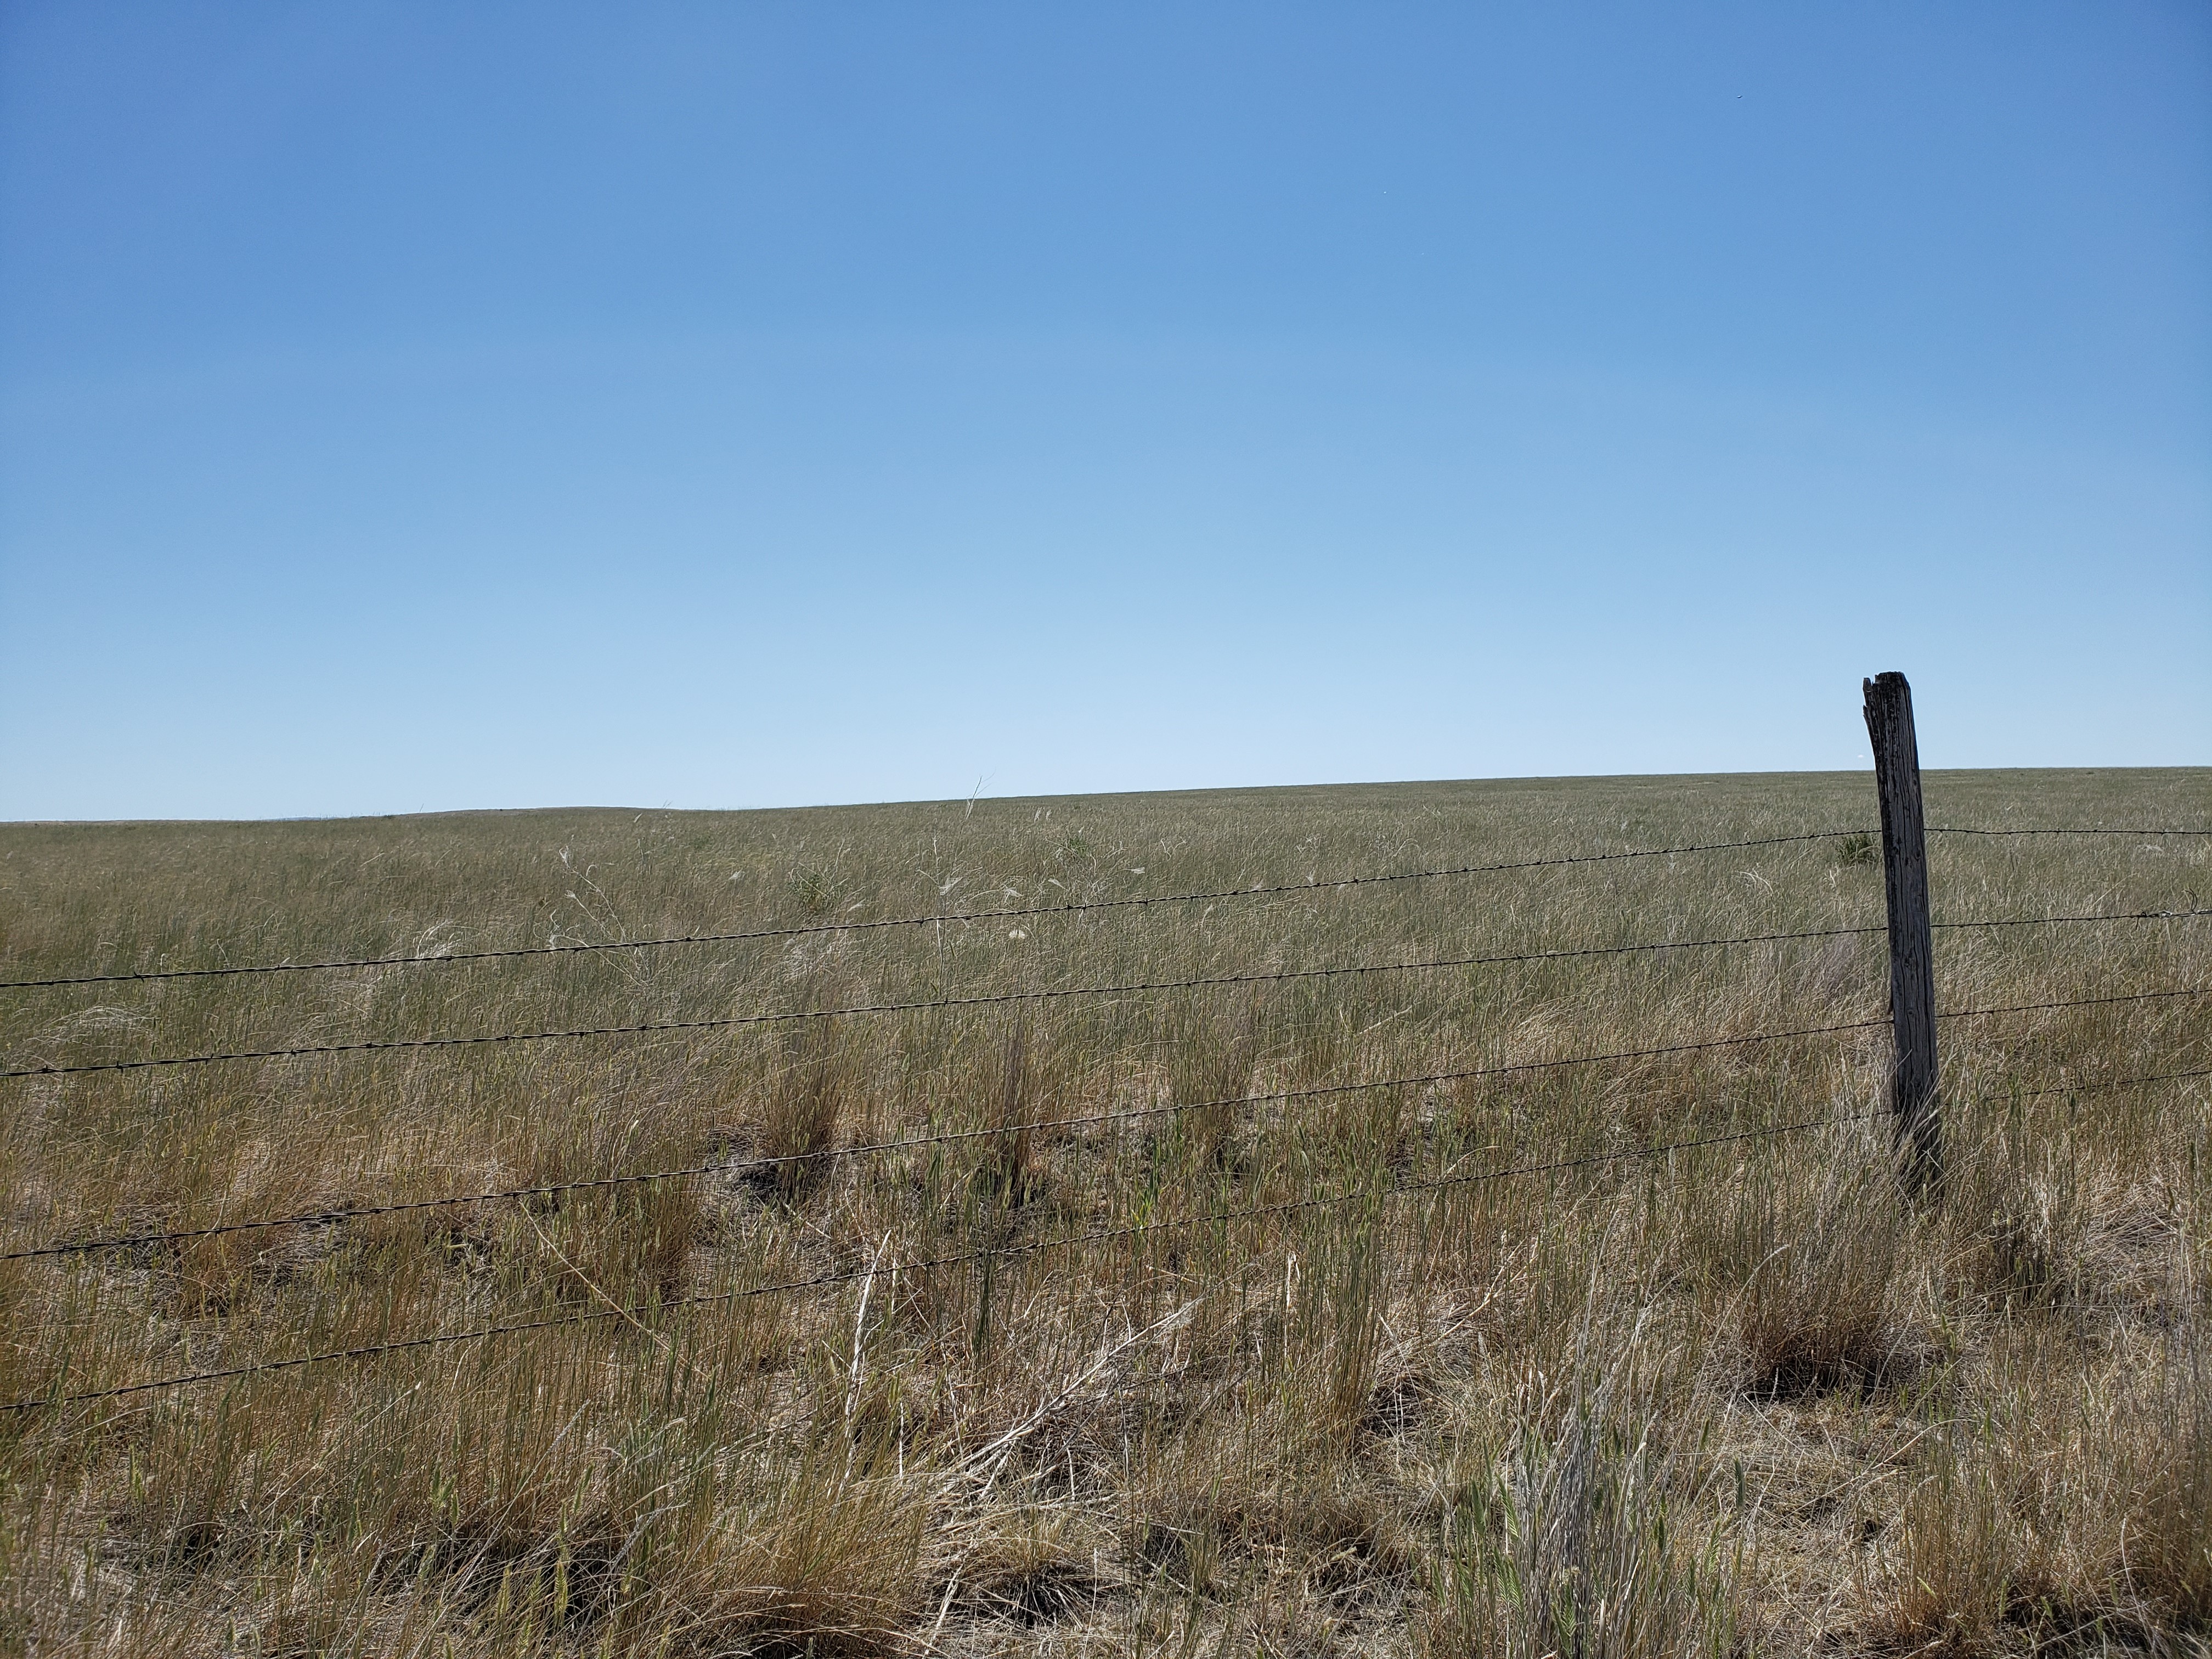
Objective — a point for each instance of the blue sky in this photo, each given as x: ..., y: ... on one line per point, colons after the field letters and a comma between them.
x: 414, y: 407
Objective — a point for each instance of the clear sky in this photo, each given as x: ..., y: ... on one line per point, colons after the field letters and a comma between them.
x: 409, y: 407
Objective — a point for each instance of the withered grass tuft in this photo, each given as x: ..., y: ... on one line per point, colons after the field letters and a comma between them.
x: 1736, y: 1398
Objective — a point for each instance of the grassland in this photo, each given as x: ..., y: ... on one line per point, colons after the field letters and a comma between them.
x: 1735, y: 1397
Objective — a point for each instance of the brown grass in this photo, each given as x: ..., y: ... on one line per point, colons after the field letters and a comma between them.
x: 1730, y: 1399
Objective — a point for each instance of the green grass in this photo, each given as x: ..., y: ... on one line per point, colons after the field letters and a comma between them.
x: 1742, y: 1397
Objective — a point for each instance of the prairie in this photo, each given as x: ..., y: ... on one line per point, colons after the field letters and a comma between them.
x: 1146, y: 1319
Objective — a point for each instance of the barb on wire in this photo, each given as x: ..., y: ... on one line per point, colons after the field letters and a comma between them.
x: 1002, y: 997
x: 1218, y: 893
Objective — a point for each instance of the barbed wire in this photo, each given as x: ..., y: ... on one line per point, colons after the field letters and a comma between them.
x: 847, y: 1275
x: 1049, y: 993
x: 2117, y: 1083
x: 1013, y: 913
x: 1257, y: 891
x: 1377, y: 1195
x: 1958, y: 829
x: 2041, y: 922
x: 2073, y: 1002
x: 741, y: 1169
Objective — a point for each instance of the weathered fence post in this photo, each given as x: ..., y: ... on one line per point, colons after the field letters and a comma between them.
x: 1913, y: 1098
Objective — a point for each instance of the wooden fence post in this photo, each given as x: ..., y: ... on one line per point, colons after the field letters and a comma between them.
x: 1913, y: 1098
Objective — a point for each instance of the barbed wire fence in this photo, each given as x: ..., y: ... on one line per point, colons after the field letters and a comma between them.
x: 159, y: 1239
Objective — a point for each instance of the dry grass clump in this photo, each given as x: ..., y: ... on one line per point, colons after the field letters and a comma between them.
x: 1804, y: 1263
x: 807, y: 1103
x: 2167, y: 1554
x: 2056, y: 1223
x: 1576, y: 1523
x: 2068, y: 1499
x: 1176, y: 1321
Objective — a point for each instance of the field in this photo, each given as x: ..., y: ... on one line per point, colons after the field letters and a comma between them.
x: 1248, y: 1359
